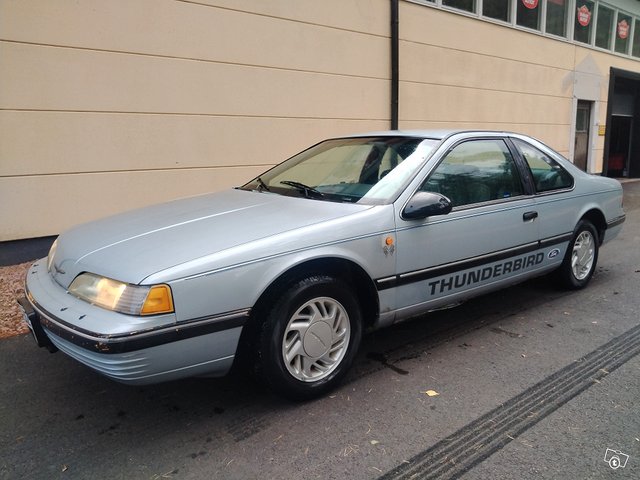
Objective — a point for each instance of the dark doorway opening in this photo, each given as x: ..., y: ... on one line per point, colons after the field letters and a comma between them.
x: 581, y: 146
x: 622, y: 138
x: 619, y: 146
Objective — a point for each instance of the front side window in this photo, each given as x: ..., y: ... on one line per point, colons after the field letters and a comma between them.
x: 547, y: 174
x: 476, y: 171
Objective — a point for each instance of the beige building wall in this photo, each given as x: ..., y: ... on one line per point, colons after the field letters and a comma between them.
x: 461, y: 72
x: 109, y: 105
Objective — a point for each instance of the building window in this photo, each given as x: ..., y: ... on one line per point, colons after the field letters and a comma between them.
x: 466, y: 5
x: 635, y: 51
x: 582, y: 120
x: 497, y: 9
x: 583, y: 21
x: 528, y: 14
x: 623, y: 33
x: 604, y: 27
x: 596, y: 23
x: 557, y: 17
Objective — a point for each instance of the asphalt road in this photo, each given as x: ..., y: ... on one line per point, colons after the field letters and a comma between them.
x: 531, y: 382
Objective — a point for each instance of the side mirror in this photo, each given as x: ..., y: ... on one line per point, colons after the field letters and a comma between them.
x: 426, y: 204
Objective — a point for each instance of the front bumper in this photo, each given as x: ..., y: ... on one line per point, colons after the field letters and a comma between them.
x: 32, y: 319
x: 150, y: 350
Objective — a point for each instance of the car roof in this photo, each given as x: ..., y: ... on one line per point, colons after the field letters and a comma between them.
x: 436, y: 134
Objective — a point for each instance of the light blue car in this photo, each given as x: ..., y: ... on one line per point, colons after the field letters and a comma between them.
x: 286, y: 272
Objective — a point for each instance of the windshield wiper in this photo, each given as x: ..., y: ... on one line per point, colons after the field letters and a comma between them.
x: 306, y: 189
x: 261, y: 185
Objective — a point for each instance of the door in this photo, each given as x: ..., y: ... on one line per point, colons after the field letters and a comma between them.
x: 555, y: 205
x: 581, y: 147
x: 489, y: 238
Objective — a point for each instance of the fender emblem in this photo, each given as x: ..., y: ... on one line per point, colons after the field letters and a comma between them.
x: 388, y: 246
x: 553, y: 253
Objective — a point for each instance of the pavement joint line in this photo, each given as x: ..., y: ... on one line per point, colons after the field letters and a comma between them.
x: 478, y: 440
x: 521, y: 422
x: 520, y: 413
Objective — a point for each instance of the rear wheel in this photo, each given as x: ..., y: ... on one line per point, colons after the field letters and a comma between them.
x: 310, y: 337
x: 580, y: 260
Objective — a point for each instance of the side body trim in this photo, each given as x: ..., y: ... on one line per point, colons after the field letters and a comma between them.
x: 616, y: 221
x: 440, y: 270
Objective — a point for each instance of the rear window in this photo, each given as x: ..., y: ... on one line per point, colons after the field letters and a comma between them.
x: 547, y: 174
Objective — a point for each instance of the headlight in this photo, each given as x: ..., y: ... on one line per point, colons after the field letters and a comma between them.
x: 52, y: 254
x: 122, y: 297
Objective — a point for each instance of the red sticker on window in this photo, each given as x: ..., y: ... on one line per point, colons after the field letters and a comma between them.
x: 623, y: 29
x: 584, y: 15
x: 531, y: 4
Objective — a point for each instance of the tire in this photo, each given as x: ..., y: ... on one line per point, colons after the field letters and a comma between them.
x: 309, y: 338
x: 580, y: 260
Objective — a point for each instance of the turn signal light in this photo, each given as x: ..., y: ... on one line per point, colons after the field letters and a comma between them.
x: 159, y: 300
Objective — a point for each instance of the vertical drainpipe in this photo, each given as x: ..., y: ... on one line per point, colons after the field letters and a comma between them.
x: 395, y: 55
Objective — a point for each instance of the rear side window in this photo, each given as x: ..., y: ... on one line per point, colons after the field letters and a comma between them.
x: 548, y: 175
x: 476, y: 171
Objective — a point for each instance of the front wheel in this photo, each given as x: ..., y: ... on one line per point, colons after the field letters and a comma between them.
x: 580, y: 260
x: 310, y: 337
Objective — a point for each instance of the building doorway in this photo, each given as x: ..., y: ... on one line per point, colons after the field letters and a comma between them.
x: 581, y: 146
x: 622, y: 138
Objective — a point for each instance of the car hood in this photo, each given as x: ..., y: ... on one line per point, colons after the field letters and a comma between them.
x: 133, y: 245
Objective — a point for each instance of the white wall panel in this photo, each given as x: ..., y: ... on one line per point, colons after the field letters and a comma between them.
x: 52, y: 78
x: 462, y: 33
x: 199, y: 31
x: 461, y: 104
x: 71, y: 142
x: 46, y: 205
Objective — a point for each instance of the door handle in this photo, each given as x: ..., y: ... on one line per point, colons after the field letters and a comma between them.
x: 529, y: 216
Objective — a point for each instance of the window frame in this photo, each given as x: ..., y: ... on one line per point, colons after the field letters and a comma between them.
x: 493, y: 19
x: 612, y: 26
x: 522, y: 174
x: 474, y: 11
x: 553, y: 156
x: 629, y: 40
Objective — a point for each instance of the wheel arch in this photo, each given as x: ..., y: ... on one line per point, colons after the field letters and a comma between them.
x: 346, y: 270
x: 597, y: 218
x: 340, y: 268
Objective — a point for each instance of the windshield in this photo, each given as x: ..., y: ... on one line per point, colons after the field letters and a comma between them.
x: 368, y: 170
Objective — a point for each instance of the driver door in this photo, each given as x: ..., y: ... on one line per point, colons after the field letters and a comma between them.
x: 487, y: 238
